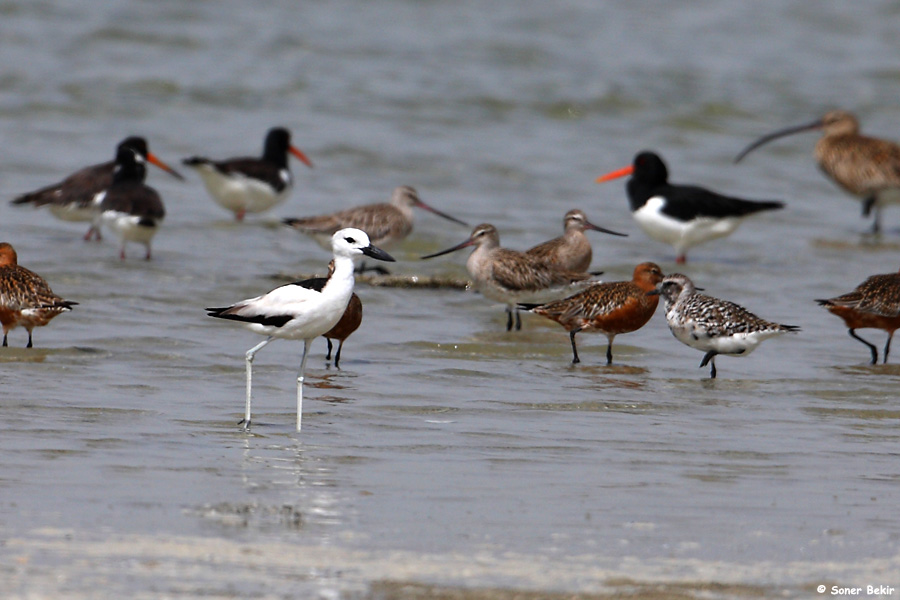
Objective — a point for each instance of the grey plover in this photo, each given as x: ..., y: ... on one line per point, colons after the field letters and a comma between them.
x: 682, y: 216
x: 610, y: 308
x: 875, y: 303
x: 299, y: 311
x: 711, y: 325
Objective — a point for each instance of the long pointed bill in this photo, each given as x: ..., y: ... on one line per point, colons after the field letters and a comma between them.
x: 589, y: 225
x: 421, y: 204
x: 378, y: 253
x: 775, y: 135
x: 152, y: 159
x: 300, y: 156
x: 616, y: 174
x: 468, y: 242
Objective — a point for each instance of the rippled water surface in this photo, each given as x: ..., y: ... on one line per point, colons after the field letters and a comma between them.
x: 445, y: 451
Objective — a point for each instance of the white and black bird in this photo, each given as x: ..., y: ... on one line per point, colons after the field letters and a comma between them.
x: 130, y: 208
x: 251, y: 184
x: 303, y: 310
x: 681, y: 215
x: 711, y: 325
x: 72, y: 199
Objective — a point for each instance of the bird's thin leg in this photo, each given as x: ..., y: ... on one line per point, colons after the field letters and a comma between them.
x: 710, y: 357
x: 575, y: 359
x: 609, y: 352
x: 867, y: 205
x: 872, y: 347
x: 306, y: 345
x: 4, y: 340
x: 29, y: 345
x: 328, y: 355
x: 509, y: 318
x: 250, y: 354
x: 337, y: 357
x: 518, y: 319
x: 887, y: 346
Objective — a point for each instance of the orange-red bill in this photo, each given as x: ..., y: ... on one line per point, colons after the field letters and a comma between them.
x: 151, y: 158
x: 302, y: 157
x: 616, y: 174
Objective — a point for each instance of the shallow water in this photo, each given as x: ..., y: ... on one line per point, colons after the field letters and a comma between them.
x: 446, y: 451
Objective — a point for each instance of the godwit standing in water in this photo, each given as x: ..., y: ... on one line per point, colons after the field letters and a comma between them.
x: 251, y: 184
x: 865, y: 167
x: 386, y: 223
x: 681, y: 215
x: 609, y: 308
x: 130, y: 208
x: 712, y: 325
x: 874, y: 303
x: 299, y: 311
x: 72, y: 199
x: 25, y: 298
x: 512, y: 277
x: 572, y: 250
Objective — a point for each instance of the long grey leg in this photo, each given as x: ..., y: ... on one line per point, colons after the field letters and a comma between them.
x: 306, y: 345
x: 250, y: 354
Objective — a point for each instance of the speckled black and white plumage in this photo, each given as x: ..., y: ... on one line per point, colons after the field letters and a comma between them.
x: 712, y: 325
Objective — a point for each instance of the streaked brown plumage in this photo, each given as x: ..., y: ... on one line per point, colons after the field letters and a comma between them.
x: 875, y: 303
x: 609, y: 308
x: 386, y: 223
x: 865, y: 167
x: 349, y: 323
x: 25, y: 298
x: 512, y: 277
x: 572, y: 250
x: 73, y: 198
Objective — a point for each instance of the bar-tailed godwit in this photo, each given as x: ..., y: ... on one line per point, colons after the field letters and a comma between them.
x: 72, y: 199
x: 298, y: 311
x: 511, y: 277
x: 683, y: 216
x: 712, y: 325
x: 251, y: 184
x: 386, y: 223
x: 867, y: 168
x: 875, y: 303
x: 572, y: 250
x: 608, y: 308
x: 25, y: 298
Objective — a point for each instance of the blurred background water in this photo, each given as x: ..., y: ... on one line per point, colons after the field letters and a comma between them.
x: 445, y: 451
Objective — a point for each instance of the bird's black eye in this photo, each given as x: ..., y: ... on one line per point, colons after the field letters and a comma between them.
x: 349, y: 240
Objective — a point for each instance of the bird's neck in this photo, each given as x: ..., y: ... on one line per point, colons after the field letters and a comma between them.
x: 342, y: 277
